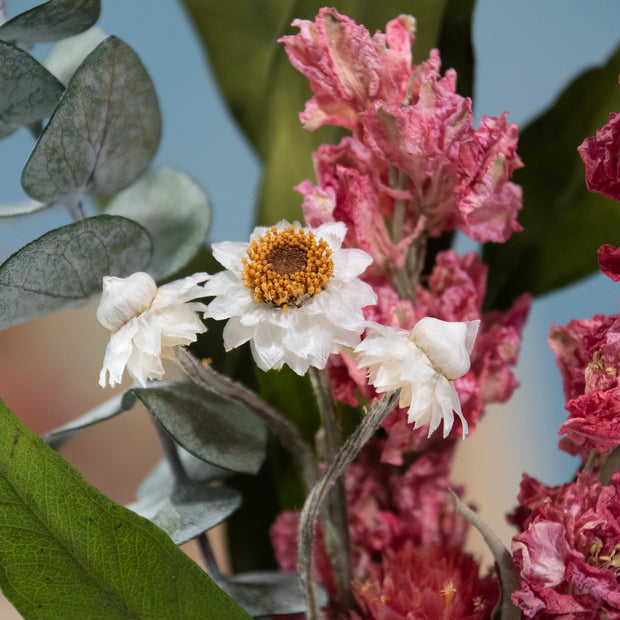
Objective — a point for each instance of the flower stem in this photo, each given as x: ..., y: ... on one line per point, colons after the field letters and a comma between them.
x: 334, y: 515
x: 172, y: 455
x: 285, y: 431
x: 348, y: 451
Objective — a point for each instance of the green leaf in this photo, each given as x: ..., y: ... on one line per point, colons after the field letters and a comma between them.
x: 174, y: 210
x: 103, y: 133
x: 67, y: 552
x: 110, y: 408
x: 29, y: 91
x: 563, y: 223
x: 269, y: 593
x: 455, y: 43
x: 213, y: 428
x: 266, y: 94
x: 22, y: 208
x: 66, y: 266
x: 50, y: 21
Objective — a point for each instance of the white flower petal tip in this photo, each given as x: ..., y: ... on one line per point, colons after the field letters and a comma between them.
x: 293, y: 293
x: 423, y: 365
x: 147, y: 323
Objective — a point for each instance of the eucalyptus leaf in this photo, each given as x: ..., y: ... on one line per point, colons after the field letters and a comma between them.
x: 174, y: 210
x: 161, y: 481
x: 564, y: 224
x: 110, y: 408
x: 22, y: 208
x: 269, y: 593
x: 67, y: 55
x: 66, y: 266
x: 28, y: 91
x: 266, y: 94
x: 50, y: 21
x: 67, y: 552
x: 216, y: 429
x: 190, y: 511
x: 103, y: 133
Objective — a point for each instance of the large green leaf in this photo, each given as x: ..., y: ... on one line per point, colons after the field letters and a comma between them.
x: 563, y: 223
x: 103, y: 133
x: 174, y: 210
x: 213, y: 428
x: 28, y: 91
x: 50, y: 21
x: 67, y: 552
x: 66, y: 266
x: 266, y: 94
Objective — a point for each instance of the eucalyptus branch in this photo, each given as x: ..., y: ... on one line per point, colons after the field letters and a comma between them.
x: 172, y: 454
x: 334, y: 515
x: 286, y: 432
x: 307, y: 521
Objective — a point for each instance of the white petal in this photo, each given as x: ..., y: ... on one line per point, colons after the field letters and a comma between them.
x: 447, y: 344
x: 350, y: 263
x: 229, y: 254
x: 267, y: 348
x: 125, y: 298
x: 117, y: 354
x: 333, y: 232
x: 180, y: 291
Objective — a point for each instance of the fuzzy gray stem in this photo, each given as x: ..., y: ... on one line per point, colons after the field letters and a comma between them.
x: 334, y: 514
x: 307, y: 521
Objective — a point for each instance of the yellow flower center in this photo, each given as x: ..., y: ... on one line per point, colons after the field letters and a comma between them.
x: 286, y: 267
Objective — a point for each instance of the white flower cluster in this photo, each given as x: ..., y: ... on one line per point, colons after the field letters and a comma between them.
x: 294, y: 294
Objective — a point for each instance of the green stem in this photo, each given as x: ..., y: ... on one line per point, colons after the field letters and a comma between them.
x: 349, y: 450
x: 334, y: 515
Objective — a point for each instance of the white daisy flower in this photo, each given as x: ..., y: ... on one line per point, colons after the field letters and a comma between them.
x: 423, y: 364
x: 292, y: 292
x: 147, y: 323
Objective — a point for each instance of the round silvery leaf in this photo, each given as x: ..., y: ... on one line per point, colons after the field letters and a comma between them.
x: 213, y: 428
x: 66, y: 266
x: 28, y: 91
x: 103, y: 133
x: 50, y: 21
x: 66, y: 55
x: 175, y: 211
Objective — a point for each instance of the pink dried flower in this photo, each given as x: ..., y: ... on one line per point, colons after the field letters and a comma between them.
x: 609, y: 261
x: 600, y: 155
x: 435, y: 582
x: 568, y: 555
x: 347, y: 68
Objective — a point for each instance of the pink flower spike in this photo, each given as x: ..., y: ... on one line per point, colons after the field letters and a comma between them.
x: 346, y: 67
x: 609, y: 261
x: 600, y: 155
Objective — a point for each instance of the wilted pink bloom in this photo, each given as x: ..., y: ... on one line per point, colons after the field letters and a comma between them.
x: 600, y: 155
x: 435, y: 582
x: 593, y: 422
x: 588, y: 356
x: 347, y: 68
x: 575, y: 345
x: 568, y: 555
x: 609, y: 261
